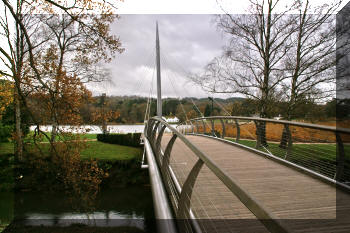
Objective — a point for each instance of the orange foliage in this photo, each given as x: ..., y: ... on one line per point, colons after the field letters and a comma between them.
x: 274, y: 132
x: 6, y: 95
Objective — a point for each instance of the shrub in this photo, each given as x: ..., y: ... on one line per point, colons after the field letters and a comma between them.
x: 130, y: 139
x: 5, y: 132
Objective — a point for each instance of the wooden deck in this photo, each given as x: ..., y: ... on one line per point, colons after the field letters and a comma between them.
x: 301, y: 202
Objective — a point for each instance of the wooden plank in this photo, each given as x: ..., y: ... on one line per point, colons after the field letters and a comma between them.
x: 285, y: 192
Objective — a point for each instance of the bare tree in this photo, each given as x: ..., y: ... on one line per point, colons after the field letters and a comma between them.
x: 250, y: 64
x: 310, y: 65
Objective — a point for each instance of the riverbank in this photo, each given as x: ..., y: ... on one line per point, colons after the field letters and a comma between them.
x: 121, y: 163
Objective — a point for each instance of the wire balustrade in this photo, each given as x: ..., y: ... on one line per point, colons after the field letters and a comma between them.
x: 181, y: 193
x: 321, y: 150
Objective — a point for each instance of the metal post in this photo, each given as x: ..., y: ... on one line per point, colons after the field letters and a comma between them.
x: 203, y: 126
x: 340, y: 158
x: 238, y: 131
x: 197, y: 126
x: 289, y: 143
x: 258, y: 135
x: 223, y: 128
x: 212, y: 128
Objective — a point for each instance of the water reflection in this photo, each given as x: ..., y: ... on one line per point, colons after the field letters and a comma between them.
x: 131, y: 206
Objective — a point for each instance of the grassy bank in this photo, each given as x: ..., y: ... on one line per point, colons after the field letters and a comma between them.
x: 122, y: 163
x: 94, y: 150
x: 43, y: 138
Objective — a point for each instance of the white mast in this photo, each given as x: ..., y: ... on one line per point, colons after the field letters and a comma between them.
x: 159, y: 84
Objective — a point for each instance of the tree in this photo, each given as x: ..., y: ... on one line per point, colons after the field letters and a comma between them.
x: 250, y: 63
x: 6, y: 96
x: 309, y: 65
x: 27, y: 42
x: 207, y: 110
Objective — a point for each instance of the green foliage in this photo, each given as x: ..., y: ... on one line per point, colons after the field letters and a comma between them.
x: 5, y: 132
x: 130, y: 139
x: 207, y: 110
x: 123, y: 173
x: 6, y: 172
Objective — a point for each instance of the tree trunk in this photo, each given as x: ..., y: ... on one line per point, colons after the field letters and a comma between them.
x: 18, y: 138
x: 53, y: 132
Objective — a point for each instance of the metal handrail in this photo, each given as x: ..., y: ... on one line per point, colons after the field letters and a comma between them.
x: 335, y: 174
x: 155, y: 124
x: 165, y: 220
x: 294, y: 123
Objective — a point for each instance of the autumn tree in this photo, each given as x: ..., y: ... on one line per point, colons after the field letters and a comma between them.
x: 79, y: 44
x: 6, y: 95
x: 29, y: 40
x: 52, y: 48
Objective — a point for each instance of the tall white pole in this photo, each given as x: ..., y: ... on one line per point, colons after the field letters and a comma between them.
x: 159, y: 84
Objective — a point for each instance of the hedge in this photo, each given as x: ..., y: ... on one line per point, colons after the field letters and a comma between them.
x: 5, y: 132
x: 130, y: 139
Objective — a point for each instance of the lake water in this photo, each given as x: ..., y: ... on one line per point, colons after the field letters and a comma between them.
x: 131, y: 206
x: 94, y: 129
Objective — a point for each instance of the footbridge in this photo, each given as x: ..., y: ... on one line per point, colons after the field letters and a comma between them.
x: 244, y: 174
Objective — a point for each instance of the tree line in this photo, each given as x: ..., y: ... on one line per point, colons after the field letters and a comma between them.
x: 131, y: 109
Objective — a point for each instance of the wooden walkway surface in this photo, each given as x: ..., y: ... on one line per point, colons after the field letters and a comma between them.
x: 301, y: 202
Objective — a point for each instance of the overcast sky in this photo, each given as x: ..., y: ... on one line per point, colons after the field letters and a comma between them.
x: 187, y: 44
x: 189, y: 40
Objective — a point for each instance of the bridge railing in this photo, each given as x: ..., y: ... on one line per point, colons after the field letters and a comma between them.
x: 180, y: 195
x: 320, y: 150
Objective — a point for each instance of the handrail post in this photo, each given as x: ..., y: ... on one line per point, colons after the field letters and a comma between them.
x: 238, y: 131
x: 158, y: 142
x: 212, y: 128
x: 203, y: 126
x: 197, y: 126
x: 183, y: 211
x: 223, y: 128
x: 154, y: 133
x: 258, y: 135
x: 150, y: 124
x: 167, y: 152
x: 290, y: 142
x: 340, y: 158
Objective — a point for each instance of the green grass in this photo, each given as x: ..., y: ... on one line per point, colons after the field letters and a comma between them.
x: 94, y: 150
x: 6, y: 148
x: 42, y: 138
x: 105, y: 151
x: 322, y: 151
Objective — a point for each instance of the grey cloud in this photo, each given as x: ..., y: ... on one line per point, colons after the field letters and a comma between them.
x: 188, y: 43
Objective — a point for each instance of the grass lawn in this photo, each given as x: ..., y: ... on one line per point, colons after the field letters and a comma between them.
x: 105, y: 151
x: 6, y: 148
x: 44, y: 139
x: 94, y: 150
